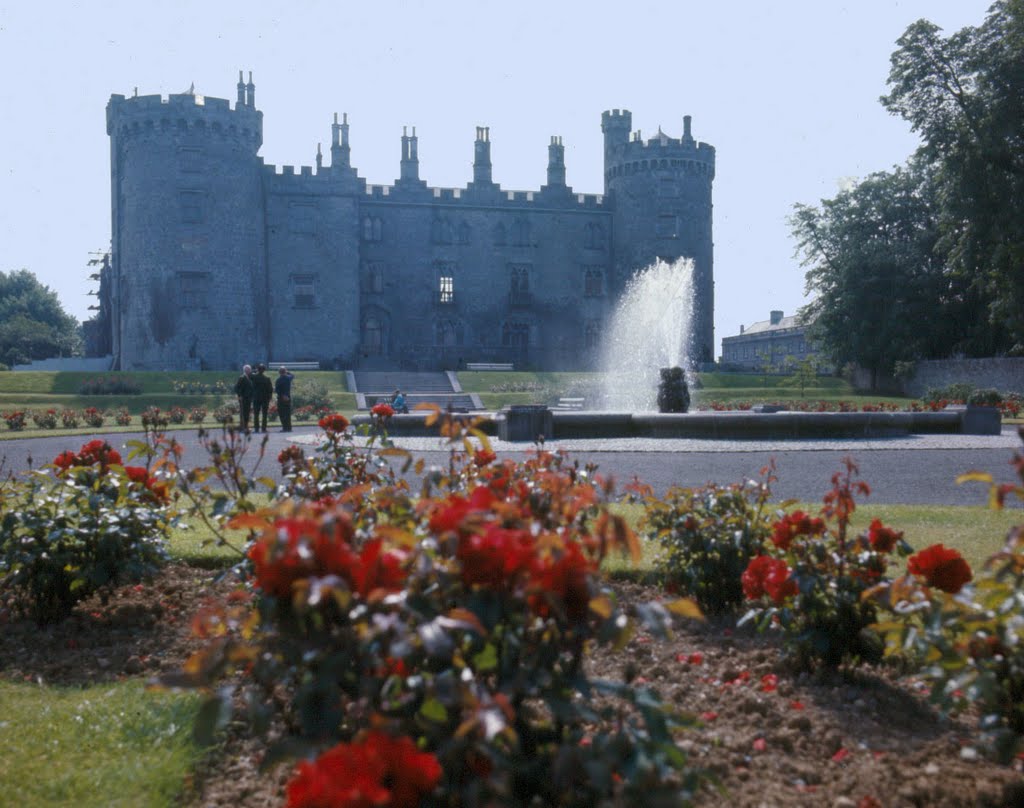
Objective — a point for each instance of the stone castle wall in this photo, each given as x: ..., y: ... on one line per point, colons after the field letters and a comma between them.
x: 1005, y: 375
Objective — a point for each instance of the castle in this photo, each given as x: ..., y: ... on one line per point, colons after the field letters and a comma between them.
x: 218, y: 258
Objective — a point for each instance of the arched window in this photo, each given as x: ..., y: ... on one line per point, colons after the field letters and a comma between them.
x: 367, y: 229
x: 521, y: 233
x: 464, y: 233
x: 591, y: 335
x: 373, y: 336
x: 593, y: 282
x: 447, y: 334
x: 378, y: 230
x: 499, y: 235
x: 515, y: 334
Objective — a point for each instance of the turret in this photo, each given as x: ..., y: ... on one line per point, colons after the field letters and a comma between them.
x: 660, y: 192
x: 410, y: 164
x: 241, y: 90
x: 341, y: 154
x: 482, y: 157
x: 556, y: 162
x: 250, y: 93
x: 188, y: 231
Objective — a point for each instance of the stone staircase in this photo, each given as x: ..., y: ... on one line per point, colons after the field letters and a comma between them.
x: 441, y: 388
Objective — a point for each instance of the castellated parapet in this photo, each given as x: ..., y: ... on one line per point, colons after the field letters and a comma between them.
x: 220, y: 259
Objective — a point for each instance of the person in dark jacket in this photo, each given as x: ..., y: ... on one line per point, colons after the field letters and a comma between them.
x: 263, y: 391
x: 244, y: 390
x: 283, y: 388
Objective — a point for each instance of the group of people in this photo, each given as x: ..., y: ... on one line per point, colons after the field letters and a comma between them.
x: 255, y: 391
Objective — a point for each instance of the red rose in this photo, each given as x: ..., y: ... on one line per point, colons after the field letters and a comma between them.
x: 494, y: 557
x: 334, y: 424
x: 377, y: 771
x: 795, y: 524
x: 450, y: 514
x: 482, y: 457
x: 382, y: 410
x: 768, y: 576
x: 941, y: 567
x: 565, y: 576
x: 883, y: 539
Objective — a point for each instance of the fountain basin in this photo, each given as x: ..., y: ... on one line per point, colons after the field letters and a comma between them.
x: 722, y: 425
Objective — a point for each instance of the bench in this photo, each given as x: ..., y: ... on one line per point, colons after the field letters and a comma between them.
x: 488, y: 366
x: 569, y: 403
x: 294, y: 365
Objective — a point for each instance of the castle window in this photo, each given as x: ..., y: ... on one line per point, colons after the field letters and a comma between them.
x: 499, y: 236
x: 190, y: 160
x: 373, y: 277
x: 446, y: 289
x: 373, y: 229
x: 591, y: 335
x: 441, y: 231
x: 667, y: 226
x: 193, y: 290
x: 515, y: 334
x: 519, y: 284
x: 303, y: 291
x: 448, y: 334
x: 593, y: 282
x: 373, y: 336
x: 190, y: 204
x: 593, y: 236
x: 464, y: 233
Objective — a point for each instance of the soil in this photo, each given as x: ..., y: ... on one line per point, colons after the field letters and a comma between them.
x: 851, y: 740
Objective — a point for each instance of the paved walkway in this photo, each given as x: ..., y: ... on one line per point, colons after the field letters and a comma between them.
x: 917, y: 469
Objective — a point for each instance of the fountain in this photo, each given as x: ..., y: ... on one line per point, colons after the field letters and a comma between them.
x: 650, y: 330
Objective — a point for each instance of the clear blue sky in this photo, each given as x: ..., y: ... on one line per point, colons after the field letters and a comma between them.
x: 787, y: 92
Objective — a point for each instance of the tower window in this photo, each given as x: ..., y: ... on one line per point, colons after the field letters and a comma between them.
x: 194, y: 290
x: 593, y: 282
x: 190, y: 204
x: 304, y: 291
x: 446, y: 289
x: 591, y: 335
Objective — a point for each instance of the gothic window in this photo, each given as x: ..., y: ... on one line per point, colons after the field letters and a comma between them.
x: 593, y: 282
x: 373, y: 228
x: 441, y: 231
x: 446, y: 289
x: 515, y: 334
x: 499, y: 235
x: 594, y: 236
x: 304, y: 291
x: 373, y: 335
x: 591, y: 335
x: 194, y: 290
x: 190, y: 160
x: 367, y: 228
x: 374, y: 277
x: 378, y: 230
x: 464, y: 233
x: 447, y: 334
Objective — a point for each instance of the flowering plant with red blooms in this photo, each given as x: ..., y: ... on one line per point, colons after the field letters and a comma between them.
x: 334, y: 425
x: 941, y: 567
x: 376, y: 770
x: 484, y: 457
x: 382, y: 410
x: 813, y: 575
x: 461, y: 619
x: 92, y: 526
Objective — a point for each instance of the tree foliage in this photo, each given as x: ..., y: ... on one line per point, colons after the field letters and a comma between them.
x: 33, y: 323
x: 964, y: 94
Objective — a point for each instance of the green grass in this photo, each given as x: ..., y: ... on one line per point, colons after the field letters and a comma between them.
x: 102, y: 746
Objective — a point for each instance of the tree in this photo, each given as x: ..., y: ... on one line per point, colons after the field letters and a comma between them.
x: 33, y: 324
x: 964, y: 94
x: 881, y: 290
x: 805, y: 374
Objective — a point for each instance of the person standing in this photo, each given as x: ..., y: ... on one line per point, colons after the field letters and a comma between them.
x: 283, y: 388
x: 244, y: 390
x: 263, y: 391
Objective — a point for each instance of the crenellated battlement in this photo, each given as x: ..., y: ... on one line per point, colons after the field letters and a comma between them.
x: 133, y: 115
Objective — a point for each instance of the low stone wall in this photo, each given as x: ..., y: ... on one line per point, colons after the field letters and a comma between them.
x: 1005, y: 375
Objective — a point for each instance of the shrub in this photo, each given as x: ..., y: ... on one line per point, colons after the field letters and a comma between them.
x: 310, y: 393
x: 69, y: 418
x: 110, y: 386
x: 154, y: 418
x: 176, y: 415
x: 709, y: 535
x: 96, y: 524
x: 15, y: 420
x: 123, y: 417
x: 45, y: 419
x: 954, y: 394
x: 460, y: 619
x: 968, y: 637
x: 93, y: 417
x: 810, y: 581
x: 196, y: 388
x: 985, y: 397
x: 197, y: 415
x: 226, y: 413
x: 4, y: 367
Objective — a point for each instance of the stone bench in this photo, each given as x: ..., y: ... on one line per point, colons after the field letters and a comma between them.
x: 570, y: 403
x: 294, y: 365
x: 488, y: 366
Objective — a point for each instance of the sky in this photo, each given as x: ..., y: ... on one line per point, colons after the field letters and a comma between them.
x: 785, y: 90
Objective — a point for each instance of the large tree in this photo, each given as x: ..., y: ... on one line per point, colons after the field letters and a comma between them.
x: 881, y: 290
x: 33, y: 324
x: 964, y: 94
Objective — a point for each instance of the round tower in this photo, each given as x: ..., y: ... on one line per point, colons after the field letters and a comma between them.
x: 187, y: 231
x: 660, y: 194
